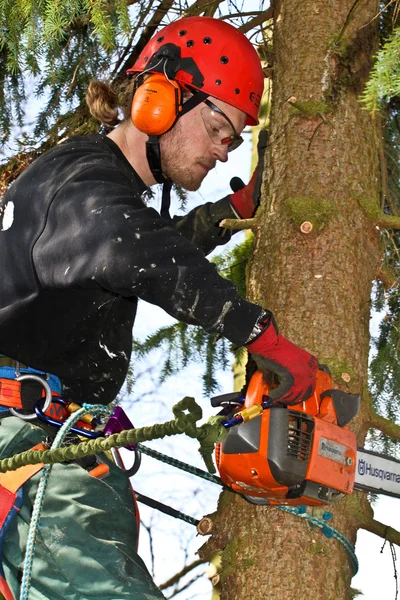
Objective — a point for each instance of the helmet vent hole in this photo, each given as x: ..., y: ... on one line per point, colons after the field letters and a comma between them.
x: 146, y: 58
x: 224, y: 60
x: 207, y: 40
x: 218, y: 82
x: 190, y: 43
x: 237, y: 91
x: 160, y: 39
x: 182, y: 32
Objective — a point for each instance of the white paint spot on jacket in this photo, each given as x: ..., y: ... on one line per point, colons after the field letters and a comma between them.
x: 104, y: 347
x: 8, y: 216
x: 219, y: 325
x: 196, y: 300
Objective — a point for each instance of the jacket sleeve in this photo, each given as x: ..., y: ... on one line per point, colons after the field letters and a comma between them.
x: 98, y: 232
x: 200, y: 225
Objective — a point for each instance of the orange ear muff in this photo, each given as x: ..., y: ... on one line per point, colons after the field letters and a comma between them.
x: 156, y: 104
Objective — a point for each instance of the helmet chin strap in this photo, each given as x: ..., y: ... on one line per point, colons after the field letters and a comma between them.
x: 153, y: 155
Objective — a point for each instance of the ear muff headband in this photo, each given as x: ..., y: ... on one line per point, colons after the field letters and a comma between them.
x: 156, y: 104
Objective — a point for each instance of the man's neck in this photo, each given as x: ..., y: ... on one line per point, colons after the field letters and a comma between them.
x: 132, y: 143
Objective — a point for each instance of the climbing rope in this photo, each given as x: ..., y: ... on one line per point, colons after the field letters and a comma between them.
x: 187, y: 412
x: 207, y: 434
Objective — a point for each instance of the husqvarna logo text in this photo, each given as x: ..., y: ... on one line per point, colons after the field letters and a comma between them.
x: 332, y: 450
x: 365, y: 468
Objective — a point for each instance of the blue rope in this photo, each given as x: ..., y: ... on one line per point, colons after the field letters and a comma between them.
x: 96, y: 409
x: 327, y: 530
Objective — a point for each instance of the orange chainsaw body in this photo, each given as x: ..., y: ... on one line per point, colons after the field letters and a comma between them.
x: 292, y: 455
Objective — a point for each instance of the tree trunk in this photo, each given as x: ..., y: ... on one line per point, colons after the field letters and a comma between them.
x: 322, y: 161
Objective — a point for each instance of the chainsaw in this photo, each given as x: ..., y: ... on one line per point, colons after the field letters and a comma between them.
x: 297, y: 455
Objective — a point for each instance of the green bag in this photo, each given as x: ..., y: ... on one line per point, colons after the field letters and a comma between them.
x: 86, y: 547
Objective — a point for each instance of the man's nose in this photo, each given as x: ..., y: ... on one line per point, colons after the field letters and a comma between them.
x: 220, y: 152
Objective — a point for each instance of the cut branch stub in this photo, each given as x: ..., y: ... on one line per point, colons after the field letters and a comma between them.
x: 205, y: 526
x: 310, y: 214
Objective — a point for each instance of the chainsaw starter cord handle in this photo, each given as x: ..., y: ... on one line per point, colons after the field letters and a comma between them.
x: 296, y: 368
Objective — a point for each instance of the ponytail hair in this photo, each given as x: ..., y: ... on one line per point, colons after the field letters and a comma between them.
x: 109, y: 105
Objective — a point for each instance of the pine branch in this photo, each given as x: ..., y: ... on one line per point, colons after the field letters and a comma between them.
x: 184, y: 587
x: 238, y: 224
x: 373, y: 211
x: 380, y: 529
x: 147, y: 34
x: 384, y: 425
x: 388, y: 222
x: 200, y: 6
x: 258, y: 20
x: 387, y: 277
x: 83, y: 124
x: 178, y: 576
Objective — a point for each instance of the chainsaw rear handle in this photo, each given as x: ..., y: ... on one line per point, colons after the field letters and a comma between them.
x: 342, y: 406
x: 231, y: 399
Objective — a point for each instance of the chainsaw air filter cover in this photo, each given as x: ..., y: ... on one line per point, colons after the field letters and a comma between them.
x: 296, y: 455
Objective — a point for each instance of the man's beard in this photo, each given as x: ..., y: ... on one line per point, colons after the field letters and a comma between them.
x: 176, y: 155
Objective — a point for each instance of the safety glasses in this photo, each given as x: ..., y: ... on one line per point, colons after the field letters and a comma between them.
x: 219, y: 127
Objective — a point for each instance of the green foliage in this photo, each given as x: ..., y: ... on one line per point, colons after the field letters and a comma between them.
x: 182, y: 344
x: 384, y: 82
x: 181, y: 195
x: 385, y: 366
x: 232, y: 265
x: 64, y: 45
x: 382, y: 93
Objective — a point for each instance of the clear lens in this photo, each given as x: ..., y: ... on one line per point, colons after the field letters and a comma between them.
x: 219, y: 129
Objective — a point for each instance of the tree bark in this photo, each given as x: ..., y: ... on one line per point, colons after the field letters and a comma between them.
x: 322, y: 166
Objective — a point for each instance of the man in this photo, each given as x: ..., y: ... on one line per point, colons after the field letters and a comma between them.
x: 78, y: 247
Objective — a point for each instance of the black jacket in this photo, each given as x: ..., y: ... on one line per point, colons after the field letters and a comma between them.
x: 78, y: 247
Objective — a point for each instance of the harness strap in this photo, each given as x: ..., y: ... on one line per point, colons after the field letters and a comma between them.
x: 11, y: 497
x: 23, y: 395
x: 10, y: 393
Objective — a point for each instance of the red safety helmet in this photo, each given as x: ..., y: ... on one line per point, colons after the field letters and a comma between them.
x: 209, y: 55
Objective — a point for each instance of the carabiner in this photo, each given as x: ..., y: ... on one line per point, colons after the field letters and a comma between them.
x: 40, y: 414
x: 47, y: 401
x: 119, y: 463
